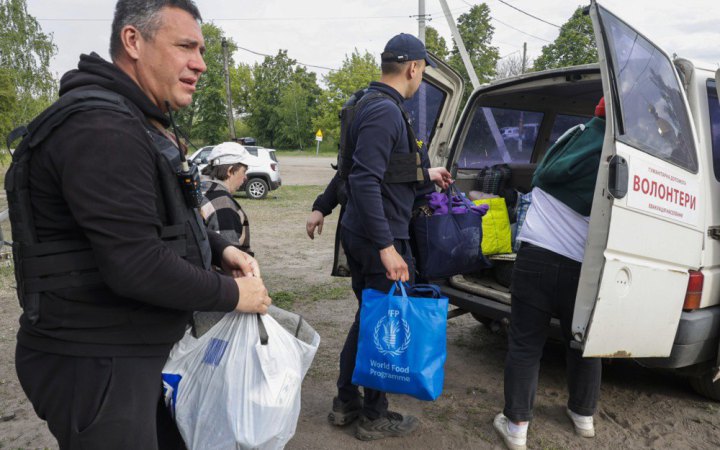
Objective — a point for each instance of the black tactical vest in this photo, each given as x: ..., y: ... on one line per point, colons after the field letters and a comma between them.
x: 54, y: 265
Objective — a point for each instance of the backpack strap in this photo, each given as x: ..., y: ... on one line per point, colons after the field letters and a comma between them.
x: 17, y: 133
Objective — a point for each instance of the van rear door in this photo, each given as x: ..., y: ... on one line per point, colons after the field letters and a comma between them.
x: 647, y: 219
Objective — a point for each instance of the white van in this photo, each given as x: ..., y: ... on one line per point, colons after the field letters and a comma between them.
x: 650, y: 282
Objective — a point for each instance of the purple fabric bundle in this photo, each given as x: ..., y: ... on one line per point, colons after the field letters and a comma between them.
x: 445, y: 203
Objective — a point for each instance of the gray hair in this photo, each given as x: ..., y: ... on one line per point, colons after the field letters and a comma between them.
x: 144, y: 15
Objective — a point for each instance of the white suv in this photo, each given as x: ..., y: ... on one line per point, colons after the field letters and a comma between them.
x: 261, y: 178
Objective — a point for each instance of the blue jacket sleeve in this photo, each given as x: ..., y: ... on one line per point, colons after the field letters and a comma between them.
x: 327, y: 201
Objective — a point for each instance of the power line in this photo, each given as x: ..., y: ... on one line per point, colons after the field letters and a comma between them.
x: 509, y: 54
x: 242, y: 19
x: 519, y: 30
x: 296, y: 62
x: 528, y: 14
x: 510, y: 26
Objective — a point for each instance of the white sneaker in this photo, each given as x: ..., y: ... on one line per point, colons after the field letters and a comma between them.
x: 583, y: 424
x: 512, y: 441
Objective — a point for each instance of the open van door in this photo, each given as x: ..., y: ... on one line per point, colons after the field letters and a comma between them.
x: 434, y: 107
x: 646, y: 223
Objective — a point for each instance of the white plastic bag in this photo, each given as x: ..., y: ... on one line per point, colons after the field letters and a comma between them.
x: 227, y: 390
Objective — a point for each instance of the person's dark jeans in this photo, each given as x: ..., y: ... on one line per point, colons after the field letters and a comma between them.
x: 98, y: 402
x: 544, y: 283
x: 367, y: 271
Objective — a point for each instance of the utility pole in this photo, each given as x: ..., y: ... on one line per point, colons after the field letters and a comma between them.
x: 421, y: 20
x: 524, y: 58
x: 492, y: 123
x: 228, y: 95
x: 460, y: 45
x: 422, y: 93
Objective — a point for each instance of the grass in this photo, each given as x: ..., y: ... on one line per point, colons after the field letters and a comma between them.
x: 285, y: 197
x: 324, y: 153
x: 312, y: 293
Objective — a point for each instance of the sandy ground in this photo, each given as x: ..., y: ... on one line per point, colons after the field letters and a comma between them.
x: 639, y: 408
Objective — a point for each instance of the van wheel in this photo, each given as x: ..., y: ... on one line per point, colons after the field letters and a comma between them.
x: 704, y: 385
x: 482, y: 319
x: 256, y: 188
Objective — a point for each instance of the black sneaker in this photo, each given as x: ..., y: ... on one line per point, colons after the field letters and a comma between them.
x: 391, y: 425
x: 345, y: 413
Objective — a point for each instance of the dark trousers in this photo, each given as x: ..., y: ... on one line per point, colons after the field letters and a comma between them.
x: 93, y: 403
x: 544, y: 283
x: 367, y: 271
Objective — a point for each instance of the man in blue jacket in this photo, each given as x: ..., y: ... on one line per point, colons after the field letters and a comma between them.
x: 387, y: 175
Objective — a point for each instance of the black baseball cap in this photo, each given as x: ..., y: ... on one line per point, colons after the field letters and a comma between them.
x: 405, y: 47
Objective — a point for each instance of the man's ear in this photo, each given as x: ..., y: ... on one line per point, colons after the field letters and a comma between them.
x: 132, y: 41
x: 413, y: 67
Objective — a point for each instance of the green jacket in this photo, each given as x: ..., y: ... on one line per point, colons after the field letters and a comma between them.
x: 569, y: 168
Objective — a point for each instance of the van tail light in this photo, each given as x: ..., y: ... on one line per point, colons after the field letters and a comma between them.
x: 694, y: 291
x: 273, y: 166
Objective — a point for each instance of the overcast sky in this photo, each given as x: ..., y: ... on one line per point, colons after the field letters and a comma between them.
x: 322, y: 32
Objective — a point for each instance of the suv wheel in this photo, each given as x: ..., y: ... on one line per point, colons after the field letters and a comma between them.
x: 256, y: 188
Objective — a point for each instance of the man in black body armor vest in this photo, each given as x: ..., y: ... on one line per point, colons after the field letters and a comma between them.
x: 105, y: 183
x: 386, y: 175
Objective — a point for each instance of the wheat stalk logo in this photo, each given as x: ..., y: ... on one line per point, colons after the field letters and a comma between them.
x: 390, y: 336
x: 390, y: 333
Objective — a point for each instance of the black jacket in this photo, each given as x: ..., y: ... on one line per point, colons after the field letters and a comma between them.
x: 96, y: 178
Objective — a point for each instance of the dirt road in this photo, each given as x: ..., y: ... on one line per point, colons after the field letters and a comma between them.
x: 306, y: 170
x: 639, y: 408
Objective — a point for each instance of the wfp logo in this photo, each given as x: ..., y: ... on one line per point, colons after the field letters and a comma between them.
x: 392, y: 334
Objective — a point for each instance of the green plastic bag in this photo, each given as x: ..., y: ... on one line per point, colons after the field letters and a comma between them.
x: 496, y: 237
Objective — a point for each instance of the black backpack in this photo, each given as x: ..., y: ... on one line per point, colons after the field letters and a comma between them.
x: 70, y: 264
x: 43, y: 266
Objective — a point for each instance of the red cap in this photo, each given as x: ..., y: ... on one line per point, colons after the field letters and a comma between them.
x: 600, y: 108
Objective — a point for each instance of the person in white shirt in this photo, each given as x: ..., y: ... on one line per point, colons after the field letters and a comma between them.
x: 545, y: 280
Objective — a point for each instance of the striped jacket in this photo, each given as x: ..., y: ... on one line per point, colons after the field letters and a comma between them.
x: 223, y: 215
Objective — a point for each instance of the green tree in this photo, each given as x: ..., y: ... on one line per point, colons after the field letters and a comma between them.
x: 297, y: 107
x: 436, y: 44
x: 477, y: 33
x: 271, y: 77
x: 357, y: 71
x: 242, y: 86
x: 25, y: 53
x: 574, y: 45
x: 206, y: 117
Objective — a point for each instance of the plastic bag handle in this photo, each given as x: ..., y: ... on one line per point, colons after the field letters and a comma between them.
x: 452, y: 191
x: 262, y: 330
x: 402, y: 288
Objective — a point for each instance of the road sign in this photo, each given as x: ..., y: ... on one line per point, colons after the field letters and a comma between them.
x: 318, y: 136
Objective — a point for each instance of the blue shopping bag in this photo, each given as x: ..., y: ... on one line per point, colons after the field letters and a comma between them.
x: 402, y: 344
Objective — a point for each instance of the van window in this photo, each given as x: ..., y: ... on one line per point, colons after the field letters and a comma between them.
x: 714, y: 112
x: 564, y: 122
x: 654, y: 118
x: 424, y: 120
x: 498, y: 135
